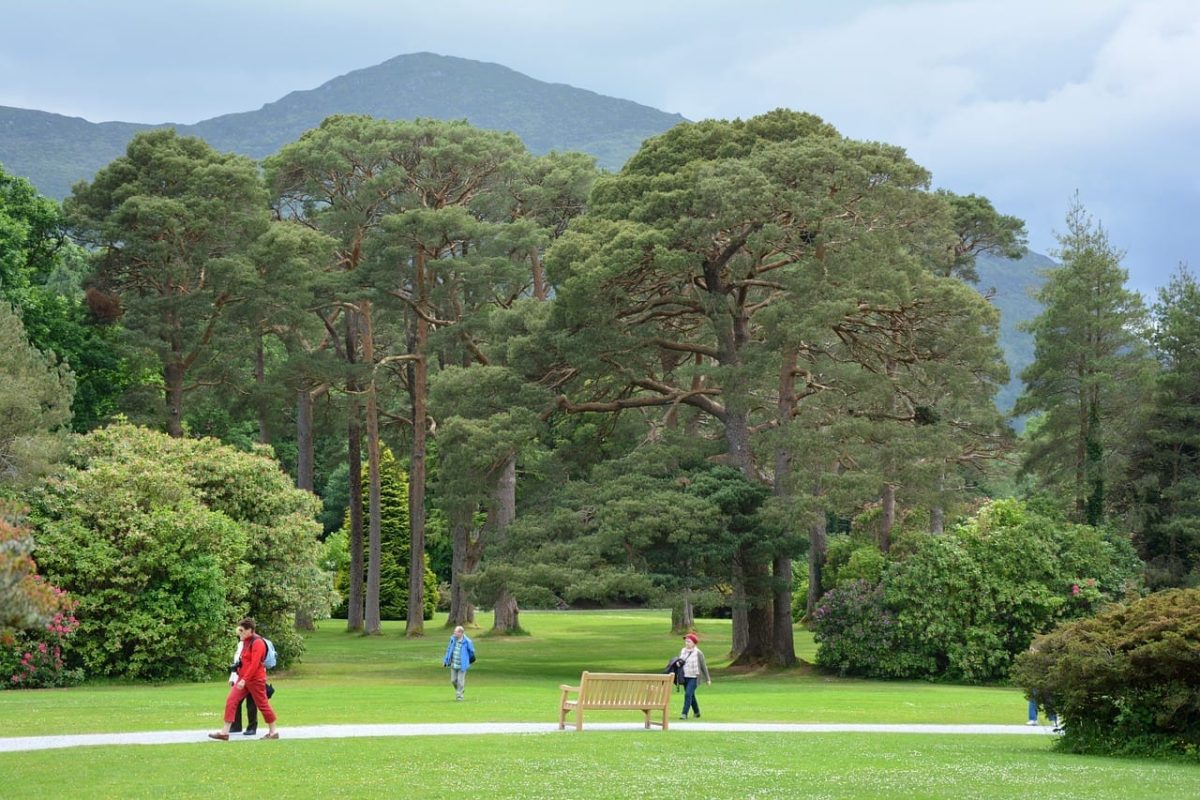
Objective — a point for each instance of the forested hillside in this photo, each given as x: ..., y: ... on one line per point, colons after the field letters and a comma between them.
x: 1012, y: 284
x: 54, y: 151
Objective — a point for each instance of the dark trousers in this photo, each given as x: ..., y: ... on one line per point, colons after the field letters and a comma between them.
x: 689, y: 697
x: 251, y: 715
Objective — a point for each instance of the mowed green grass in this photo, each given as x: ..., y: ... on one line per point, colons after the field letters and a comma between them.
x: 347, y: 679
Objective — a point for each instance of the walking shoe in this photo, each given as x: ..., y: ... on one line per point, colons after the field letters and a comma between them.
x: 683, y: 716
x: 271, y: 736
x: 219, y: 736
x: 1032, y: 722
x: 248, y: 731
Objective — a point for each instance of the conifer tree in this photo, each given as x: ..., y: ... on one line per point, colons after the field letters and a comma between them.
x: 1165, y: 474
x: 1090, y: 372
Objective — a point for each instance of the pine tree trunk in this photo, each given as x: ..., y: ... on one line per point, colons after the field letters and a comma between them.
x: 419, y: 383
x: 507, y: 617
x: 354, y: 613
x: 304, y: 477
x: 304, y: 440
x: 540, y: 290
x: 260, y: 382
x: 887, y: 519
x: 374, y: 533
x: 501, y: 511
x: 467, y: 553
x: 816, y: 562
x: 782, y: 638
x: 783, y: 643
x: 683, y: 616
x: 752, y: 608
x: 173, y: 389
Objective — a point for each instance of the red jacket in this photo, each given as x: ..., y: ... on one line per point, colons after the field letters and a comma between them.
x: 253, y: 653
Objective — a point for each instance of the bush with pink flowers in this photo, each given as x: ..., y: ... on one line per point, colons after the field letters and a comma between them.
x: 37, y: 659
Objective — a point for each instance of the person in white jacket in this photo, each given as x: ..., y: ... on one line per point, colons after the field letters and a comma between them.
x: 694, y: 668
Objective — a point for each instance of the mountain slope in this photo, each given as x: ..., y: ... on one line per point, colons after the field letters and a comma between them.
x: 54, y: 151
x: 1013, y: 285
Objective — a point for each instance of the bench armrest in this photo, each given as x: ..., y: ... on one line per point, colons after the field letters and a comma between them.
x: 566, y: 688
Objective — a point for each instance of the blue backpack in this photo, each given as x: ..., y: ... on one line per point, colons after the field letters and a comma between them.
x: 269, y: 658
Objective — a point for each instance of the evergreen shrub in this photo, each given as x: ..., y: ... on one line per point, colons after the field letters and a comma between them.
x: 1127, y: 681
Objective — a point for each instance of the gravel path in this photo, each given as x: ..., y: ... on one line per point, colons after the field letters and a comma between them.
x: 21, y: 743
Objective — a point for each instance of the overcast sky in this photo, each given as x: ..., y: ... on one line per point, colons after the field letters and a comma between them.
x: 1025, y: 101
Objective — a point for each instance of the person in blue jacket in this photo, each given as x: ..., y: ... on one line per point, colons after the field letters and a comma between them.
x: 460, y: 654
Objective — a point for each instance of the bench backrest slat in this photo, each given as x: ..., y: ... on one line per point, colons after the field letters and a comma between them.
x: 624, y: 690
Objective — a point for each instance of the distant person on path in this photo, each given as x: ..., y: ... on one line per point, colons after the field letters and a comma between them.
x: 1033, y: 711
x: 694, y: 666
x: 460, y: 653
x: 252, y: 680
x: 251, y: 709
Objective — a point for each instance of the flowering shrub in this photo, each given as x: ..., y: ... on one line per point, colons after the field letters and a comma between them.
x: 26, y: 601
x: 857, y: 634
x: 36, y: 659
x: 963, y: 604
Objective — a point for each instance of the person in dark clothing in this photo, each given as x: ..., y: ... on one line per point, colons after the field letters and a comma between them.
x: 251, y: 709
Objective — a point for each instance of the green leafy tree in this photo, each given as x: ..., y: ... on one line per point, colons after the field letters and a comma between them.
x: 41, y: 274
x: 166, y: 542
x: 171, y: 222
x: 1090, y: 373
x: 35, y: 403
x: 660, y: 524
x: 340, y: 179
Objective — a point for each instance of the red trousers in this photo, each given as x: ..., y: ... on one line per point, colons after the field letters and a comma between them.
x: 256, y: 689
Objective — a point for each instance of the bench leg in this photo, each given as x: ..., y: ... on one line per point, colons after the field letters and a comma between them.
x: 562, y: 718
x: 578, y: 719
x: 647, y: 713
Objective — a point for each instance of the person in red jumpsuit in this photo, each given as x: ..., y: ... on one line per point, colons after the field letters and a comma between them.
x: 252, y: 680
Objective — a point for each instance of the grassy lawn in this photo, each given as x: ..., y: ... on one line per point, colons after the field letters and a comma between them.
x: 351, y: 679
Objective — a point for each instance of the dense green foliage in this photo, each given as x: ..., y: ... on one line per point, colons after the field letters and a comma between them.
x: 171, y: 224
x: 41, y: 274
x: 658, y: 524
x: 394, y: 562
x: 35, y: 403
x: 1126, y: 681
x: 964, y: 604
x: 1164, y: 489
x: 725, y: 277
x: 166, y: 543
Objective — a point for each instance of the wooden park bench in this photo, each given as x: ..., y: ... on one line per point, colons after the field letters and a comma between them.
x: 611, y: 691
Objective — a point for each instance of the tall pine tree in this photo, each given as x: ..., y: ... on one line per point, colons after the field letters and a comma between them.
x: 1091, y: 368
x: 1165, y: 474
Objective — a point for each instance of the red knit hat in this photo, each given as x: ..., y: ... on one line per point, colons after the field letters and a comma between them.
x: 694, y: 638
